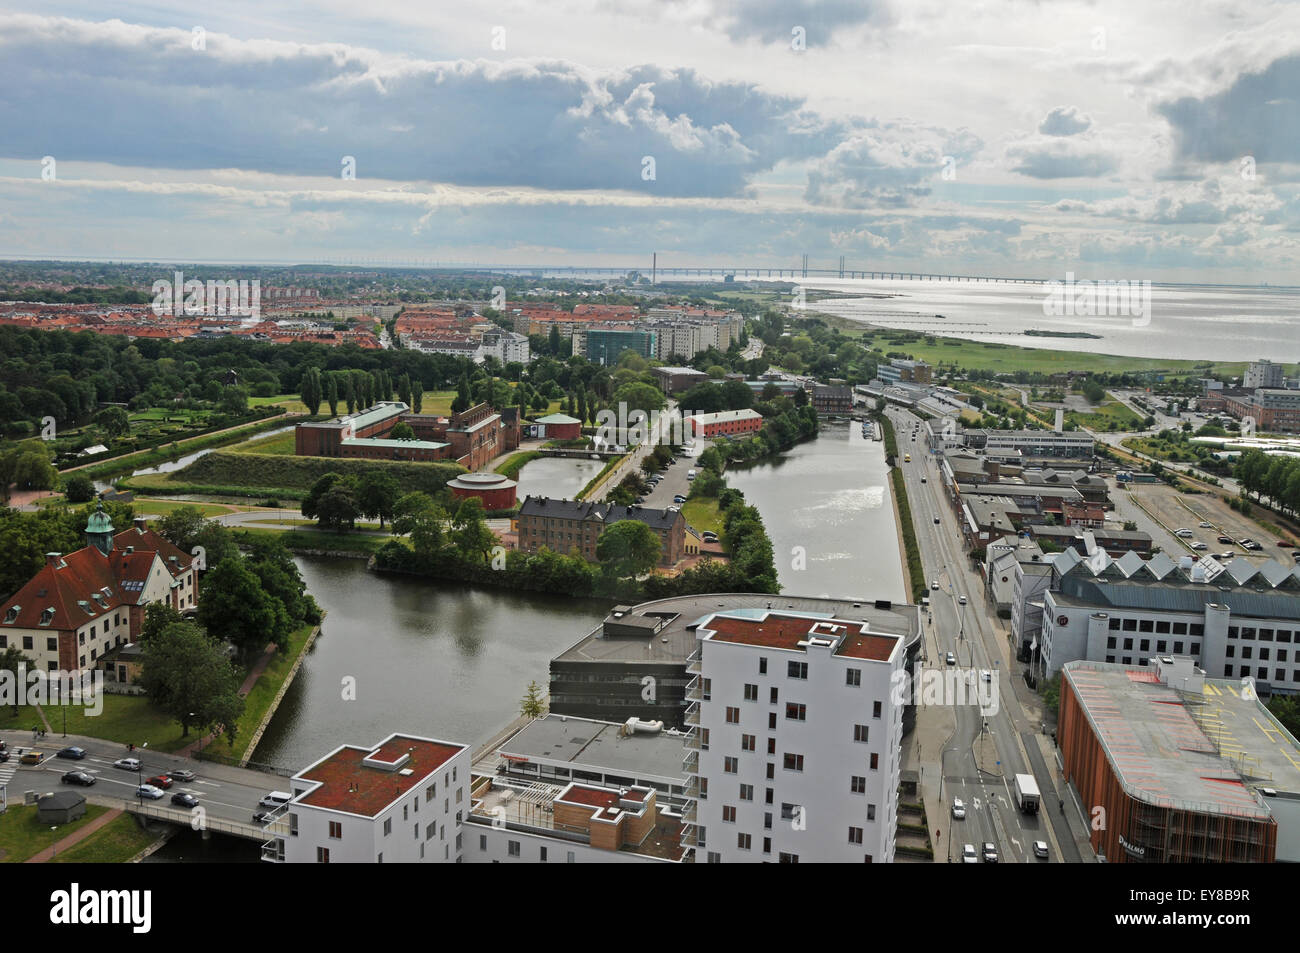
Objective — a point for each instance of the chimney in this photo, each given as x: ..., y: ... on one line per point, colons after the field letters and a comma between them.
x: 130, y: 550
x: 141, y: 524
x: 53, y: 559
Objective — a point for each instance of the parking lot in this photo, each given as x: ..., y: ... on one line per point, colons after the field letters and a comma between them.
x: 1175, y: 511
x: 673, y: 481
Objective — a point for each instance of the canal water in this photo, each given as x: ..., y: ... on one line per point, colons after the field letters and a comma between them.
x: 560, y: 478
x: 403, y: 653
x: 180, y: 463
x: 828, y: 508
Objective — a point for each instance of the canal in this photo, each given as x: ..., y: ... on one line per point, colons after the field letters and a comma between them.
x: 828, y: 508
x: 560, y: 478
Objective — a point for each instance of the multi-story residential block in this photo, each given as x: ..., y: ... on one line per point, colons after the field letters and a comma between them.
x: 1263, y: 373
x: 401, y: 801
x: 794, y: 740
x: 564, y: 526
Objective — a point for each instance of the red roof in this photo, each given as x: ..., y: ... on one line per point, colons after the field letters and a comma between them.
x: 74, y: 579
x: 593, y: 797
x: 786, y: 632
x: 347, y: 784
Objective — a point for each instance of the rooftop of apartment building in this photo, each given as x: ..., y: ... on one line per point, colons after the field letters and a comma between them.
x: 1153, y: 735
x: 672, y: 641
x: 584, y: 744
x: 365, y: 781
x: 777, y: 630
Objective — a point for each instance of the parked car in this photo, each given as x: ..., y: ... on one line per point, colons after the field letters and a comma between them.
x: 32, y: 757
x: 72, y: 752
x: 1040, y: 849
x: 922, y: 479
x: 1183, y: 533
x: 149, y: 791
x: 160, y: 781
x: 1226, y: 556
x: 958, y: 808
x: 990, y: 853
x: 679, y: 498
x: 181, y: 775
x: 127, y: 764
x: 1224, y: 538
x: 1204, y: 525
x: 986, y: 675
x: 263, y: 817
x: 185, y: 799
x: 1198, y: 546
x: 968, y: 855
x: 79, y: 777
x: 934, y: 584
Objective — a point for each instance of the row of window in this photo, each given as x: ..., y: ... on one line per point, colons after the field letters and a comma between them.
x: 1144, y: 645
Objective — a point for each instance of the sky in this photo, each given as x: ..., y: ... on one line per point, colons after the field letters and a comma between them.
x: 1124, y: 140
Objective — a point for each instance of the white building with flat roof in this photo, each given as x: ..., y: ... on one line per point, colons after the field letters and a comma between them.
x: 794, y: 740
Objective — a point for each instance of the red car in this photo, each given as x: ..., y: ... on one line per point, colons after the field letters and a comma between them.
x: 160, y: 781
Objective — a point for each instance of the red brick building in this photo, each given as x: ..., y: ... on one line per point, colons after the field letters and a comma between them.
x: 726, y: 423
x: 496, y: 491
x: 563, y: 526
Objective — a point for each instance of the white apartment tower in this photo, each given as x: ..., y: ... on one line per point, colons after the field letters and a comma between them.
x: 793, y: 749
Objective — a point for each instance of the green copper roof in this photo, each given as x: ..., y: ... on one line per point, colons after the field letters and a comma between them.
x: 99, y: 521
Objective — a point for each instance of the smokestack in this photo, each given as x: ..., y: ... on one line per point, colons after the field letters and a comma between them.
x: 1060, y: 419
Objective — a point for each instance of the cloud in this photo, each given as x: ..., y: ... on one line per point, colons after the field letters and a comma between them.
x: 131, y: 95
x: 1060, y: 160
x: 1064, y: 121
x: 771, y: 21
x: 1257, y: 115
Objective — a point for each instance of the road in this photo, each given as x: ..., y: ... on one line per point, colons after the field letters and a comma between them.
x: 225, y: 793
x: 983, y: 753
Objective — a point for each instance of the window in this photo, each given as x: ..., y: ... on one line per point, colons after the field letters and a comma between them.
x: 853, y: 676
x: 855, y: 835
x: 875, y: 761
x: 871, y: 812
x: 784, y: 858
x: 771, y: 721
x: 773, y: 696
x: 733, y: 715
x: 771, y: 769
x: 794, y: 762
x: 796, y: 669
x: 747, y: 792
x: 858, y: 784
x: 388, y: 826
x: 875, y: 709
x: 728, y: 813
x: 542, y: 855
x: 714, y: 857
x: 336, y: 830
x: 747, y: 742
x: 751, y: 692
x: 762, y: 665
x: 430, y: 830
x: 482, y: 842
x: 730, y: 765
x: 323, y: 855
x: 790, y: 811
x: 861, y: 733
x: 767, y: 821
x: 52, y: 644
x: 796, y: 712
x: 744, y: 841
x: 767, y: 845
x: 512, y: 848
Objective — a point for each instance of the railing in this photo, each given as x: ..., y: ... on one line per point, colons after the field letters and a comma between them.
x: 691, y: 763
x: 204, y: 821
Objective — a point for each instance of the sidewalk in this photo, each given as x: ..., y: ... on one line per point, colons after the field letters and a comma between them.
x: 75, y: 837
x: 254, y: 674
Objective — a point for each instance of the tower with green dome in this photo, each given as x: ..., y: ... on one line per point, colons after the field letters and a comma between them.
x: 99, y: 530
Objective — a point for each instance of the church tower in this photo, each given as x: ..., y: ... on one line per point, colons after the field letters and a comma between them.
x: 99, y: 530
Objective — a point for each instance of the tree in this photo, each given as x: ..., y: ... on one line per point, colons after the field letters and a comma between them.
x: 628, y: 548
x: 157, y: 617
x: 12, y: 660
x: 188, y: 676
x: 234, y: 401
x: 28, y: 466
x: 181, y: 527
x: 471, y: 536
x: 377, y: 495
x: 534, y: 703
x: 237, y: 609
x: 462, y: 400
x: 332, y: 394
x: 337, y: 508
x: 312, y: 391
x: 402, y: 431
x: 417, y: 395
x: 78, y: 488
x: 114, y: 420
x: 404, y: 389
x: 416, y: 515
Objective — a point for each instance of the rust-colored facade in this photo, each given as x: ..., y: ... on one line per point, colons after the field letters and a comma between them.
x: 1136, y: 830
x: 496, y: 492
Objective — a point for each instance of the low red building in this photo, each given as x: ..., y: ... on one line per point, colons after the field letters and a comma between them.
x: 560, y: 427
x: 727, y: 423
x: 495, y: 490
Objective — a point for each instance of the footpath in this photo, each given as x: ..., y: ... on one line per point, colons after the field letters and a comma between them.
x: 76, y: 837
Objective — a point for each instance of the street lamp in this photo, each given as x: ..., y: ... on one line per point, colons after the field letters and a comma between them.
x: 54, y: 828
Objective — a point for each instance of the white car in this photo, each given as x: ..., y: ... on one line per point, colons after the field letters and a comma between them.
x: 149, y: 791
x: 950, y: 659
x: 986, y: 675
x: 1040, y: 849
x: 961, y: 600
x: 934, y: 584
x: 958, y: 808
x: 127, y: 764
x: 1198, y: 546
x: 1183, y: 533
x: 1205, y: 524
x: 968, y: 855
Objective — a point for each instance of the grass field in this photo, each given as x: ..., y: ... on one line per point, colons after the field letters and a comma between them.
x: 115, y: 843
x: 298, y: 540
x: 129, y: 719
x: 145, y: 506
x: 281, y: 444
x: 290, y: 402
x: 22, y: 834
x: 259, y: 699
x: 702, y: 514
x: 1110, y: 414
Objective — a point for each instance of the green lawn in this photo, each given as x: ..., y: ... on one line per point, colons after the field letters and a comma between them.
x: 1110, y: 414
x: 702, y: 514
x: 263, y: 693
x: 129, y: 719
x: 281, y: 443
x: 290, y: 402
x: 309, y: 539
x: 115, y: 843
x: 22, y: 834
x: 144, y: 505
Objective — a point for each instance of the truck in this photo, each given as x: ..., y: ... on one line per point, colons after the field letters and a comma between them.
x: 1027, y: 796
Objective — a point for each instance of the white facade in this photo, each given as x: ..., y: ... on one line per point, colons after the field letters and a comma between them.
x: 1263, y: 374
x: 796, y: 749
x: 485, y: 844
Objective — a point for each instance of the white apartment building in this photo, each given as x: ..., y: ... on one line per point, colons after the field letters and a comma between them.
x: 794, y: 740
x: 401, y: 801
x: 1263, y: 374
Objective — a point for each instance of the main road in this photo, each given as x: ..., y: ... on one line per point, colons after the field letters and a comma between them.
x: 985, y: 750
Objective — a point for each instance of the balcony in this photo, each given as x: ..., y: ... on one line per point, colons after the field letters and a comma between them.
x: 692, y: 789
x: 693, y: 662
x: 692, y: 714
x: 693, y: 693
x: 273, y: 851
x: 691, y: 763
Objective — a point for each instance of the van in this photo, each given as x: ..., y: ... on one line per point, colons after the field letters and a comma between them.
x: 690, y: 474
x: 275, y: 800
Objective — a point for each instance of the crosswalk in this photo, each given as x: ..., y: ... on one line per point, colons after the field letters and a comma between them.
x: 8, y: 768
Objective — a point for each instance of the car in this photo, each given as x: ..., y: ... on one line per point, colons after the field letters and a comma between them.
x: 679, y: 498
x: 1205, y: 524
x: 78, y: 777
x: 934, y: 585
x: 958, y: 808
x: 149, y: 791
x: 968, y: 855
x: 160, y: 781
x: 640, y: 499
x: 922, y: 479
x: 263, y: 817
x: 4, y: 755
x: 990, y: 854
x: 1226, y: 556
x: 950, y: 659
x: 1040, y: 849
x: 1223, y: 538
x: 185, y: 799
x: 127, y: 764
x: 986, y: 675
x: 72, y: 752
x: 961, y: 600
x: 1198, y: 546
x: 709, y: 537
x: 1251, y: 545
x: 32, y: 757
x: 180, y: 774
x: 1183, y: 533
x: 936, y: 521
